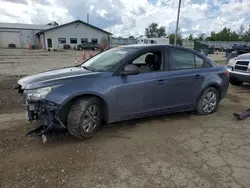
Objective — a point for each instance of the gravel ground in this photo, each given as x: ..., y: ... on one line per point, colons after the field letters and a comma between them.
x: 24, y: 62
x: 178, y: 150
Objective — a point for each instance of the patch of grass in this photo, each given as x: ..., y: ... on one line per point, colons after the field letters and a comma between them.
x: 221, y: 62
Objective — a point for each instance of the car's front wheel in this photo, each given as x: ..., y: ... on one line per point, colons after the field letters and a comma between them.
x: 235, y: 82
x: 208, y: 101
x: 84, y: 117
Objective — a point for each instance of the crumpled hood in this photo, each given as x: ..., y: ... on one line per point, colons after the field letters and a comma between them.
x: 55, y: 77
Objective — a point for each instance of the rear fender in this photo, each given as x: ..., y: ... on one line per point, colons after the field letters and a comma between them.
x: 214, y: 85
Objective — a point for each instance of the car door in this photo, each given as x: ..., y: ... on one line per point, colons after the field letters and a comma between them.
x: 184, y: 78
x: 136, y: 93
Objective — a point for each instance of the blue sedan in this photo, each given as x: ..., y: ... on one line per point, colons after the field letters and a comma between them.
x: 123, y: 83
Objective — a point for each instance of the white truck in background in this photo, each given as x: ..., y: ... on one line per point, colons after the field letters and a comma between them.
x: 239, y: 69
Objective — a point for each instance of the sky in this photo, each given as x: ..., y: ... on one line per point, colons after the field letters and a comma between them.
x: 131, y: 17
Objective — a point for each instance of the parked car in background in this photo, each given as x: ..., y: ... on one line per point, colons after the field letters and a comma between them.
x: 87, y: 46
x: 239, y: 69
x: 123, y: 83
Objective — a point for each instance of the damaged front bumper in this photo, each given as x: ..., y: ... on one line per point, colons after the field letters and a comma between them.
x: 46, y: 114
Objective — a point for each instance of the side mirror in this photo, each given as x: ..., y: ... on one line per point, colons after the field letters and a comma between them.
x: 130, y: 70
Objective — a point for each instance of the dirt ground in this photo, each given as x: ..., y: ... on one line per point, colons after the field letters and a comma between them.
x: 173, y: 151
x: 24, y: 62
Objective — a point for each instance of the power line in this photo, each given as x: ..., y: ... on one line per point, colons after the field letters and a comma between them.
x: 162, y: 8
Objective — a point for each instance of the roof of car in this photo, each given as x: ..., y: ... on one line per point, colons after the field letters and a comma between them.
x: 151, y: 45
x: 144, y: 46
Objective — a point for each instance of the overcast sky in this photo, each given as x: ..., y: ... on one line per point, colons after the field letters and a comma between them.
x: 130, y: 17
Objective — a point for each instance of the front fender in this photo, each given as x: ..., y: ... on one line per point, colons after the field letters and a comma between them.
x: 66, y: 100
x: 102, y: 87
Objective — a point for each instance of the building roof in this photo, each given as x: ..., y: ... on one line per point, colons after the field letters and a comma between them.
x: 79, y: 21
x: 24, y: 26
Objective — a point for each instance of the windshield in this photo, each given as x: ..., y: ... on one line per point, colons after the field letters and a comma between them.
x: 107, y: 60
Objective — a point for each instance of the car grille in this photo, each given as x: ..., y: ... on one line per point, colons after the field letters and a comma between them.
x: 241, y: 65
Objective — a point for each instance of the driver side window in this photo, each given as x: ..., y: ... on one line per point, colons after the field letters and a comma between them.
x: 149, y: 62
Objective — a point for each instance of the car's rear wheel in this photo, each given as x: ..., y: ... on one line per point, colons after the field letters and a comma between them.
x: 80, y: 48
x: 84, y: 117
x: 208, y: 101
x: 235, y: 82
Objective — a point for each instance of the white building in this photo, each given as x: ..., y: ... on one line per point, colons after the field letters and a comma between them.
x: 22, y: 35
x: 54, y: 37
x: 144, y: 40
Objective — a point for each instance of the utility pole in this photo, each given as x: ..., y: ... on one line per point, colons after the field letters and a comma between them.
x: 177, y: 23
x: 88, y: 18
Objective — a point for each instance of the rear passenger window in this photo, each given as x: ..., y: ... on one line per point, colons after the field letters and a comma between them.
x: 199, y: 62
x: 182, y: 59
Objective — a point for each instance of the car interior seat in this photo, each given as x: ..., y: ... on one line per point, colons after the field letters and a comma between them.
x: 157, y: 64
x: 149, y: 60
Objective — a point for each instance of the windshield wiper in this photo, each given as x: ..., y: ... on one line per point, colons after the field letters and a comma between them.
x: 88, y: 68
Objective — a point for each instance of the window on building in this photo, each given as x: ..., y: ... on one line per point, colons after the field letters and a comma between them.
x: 62, y: 40
x: 84, y: 40
x: 182, y: 59
x: 73, y: 40
x: 95, y: 41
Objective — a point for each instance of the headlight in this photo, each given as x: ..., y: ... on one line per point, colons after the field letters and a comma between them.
x: 229, y: 69
x: 231, y: 62
x: 38, y: 94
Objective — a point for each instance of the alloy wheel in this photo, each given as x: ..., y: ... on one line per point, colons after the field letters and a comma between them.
x: 90, y: 119
x: 209, y: 102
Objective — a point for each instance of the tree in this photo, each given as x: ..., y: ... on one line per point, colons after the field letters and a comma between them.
x: 201, y: 36
x: 154, y: 32
x: 224, y: 35
x: 131, y: 37
x: 171, y: 37
x: 211, y: 37
x: 190, y: 37
x: 162, y: 32
x: 241, y: 31
x: 246, y: 35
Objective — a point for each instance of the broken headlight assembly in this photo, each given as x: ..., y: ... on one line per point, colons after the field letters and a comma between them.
x: 38, y: 94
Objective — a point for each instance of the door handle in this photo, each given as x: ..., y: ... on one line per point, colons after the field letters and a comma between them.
x: 161, y: 81
x: 197, y: 76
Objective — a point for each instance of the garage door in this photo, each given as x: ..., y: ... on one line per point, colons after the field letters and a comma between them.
x: 7, y: 38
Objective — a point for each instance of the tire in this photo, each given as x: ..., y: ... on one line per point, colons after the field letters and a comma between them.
x: 80, y: 111
x: 235, y: 82
x: 207, y: 100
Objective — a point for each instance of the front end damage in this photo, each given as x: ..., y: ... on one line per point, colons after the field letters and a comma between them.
x: 45, y: 113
